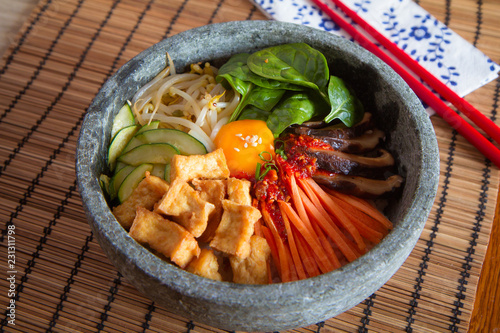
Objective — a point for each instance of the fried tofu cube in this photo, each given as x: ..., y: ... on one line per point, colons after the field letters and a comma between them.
x: 185, y: 206
x: 209, y: 166
x: 238, y: 190
x: 164, y: 236
x: 254, y: 268
x: 205, y: 265
x: 235, y: 229
x: 146, y: 194
x: 213, y: 191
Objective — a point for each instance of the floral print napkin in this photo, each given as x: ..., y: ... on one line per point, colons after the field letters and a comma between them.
x: 441, y: 51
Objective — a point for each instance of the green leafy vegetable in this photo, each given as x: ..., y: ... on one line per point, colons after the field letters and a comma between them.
x: 288, y: 84
x: 252, y: 112
x: 255, y: 90
x: 294, y: 109
x: 233, y: 71
x: 344, y: 105
x: 296, y: 63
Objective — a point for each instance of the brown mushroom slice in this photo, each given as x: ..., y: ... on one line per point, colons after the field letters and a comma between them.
x: 358, y: 186
x: 338, y: 130
x: 352, y: 164
x: 361, y: 144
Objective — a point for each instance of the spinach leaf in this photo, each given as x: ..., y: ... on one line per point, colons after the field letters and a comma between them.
x: 288, y: 84
x: 344, y: 104
x: 236, y: 68
x: 296, y: 63
x: 253, y: 112
x: 293, y: 109
x: 262, y: 98
x: 237, y: 74
x: 234, y: 73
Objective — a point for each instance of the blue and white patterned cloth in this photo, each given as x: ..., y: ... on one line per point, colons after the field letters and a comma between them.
x: 441, y: 51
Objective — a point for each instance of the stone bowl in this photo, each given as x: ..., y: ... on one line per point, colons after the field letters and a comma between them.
x: 410, y: 137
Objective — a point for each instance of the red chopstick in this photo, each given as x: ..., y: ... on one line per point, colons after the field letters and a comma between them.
x: 487, y: 148
x: 486, y: 124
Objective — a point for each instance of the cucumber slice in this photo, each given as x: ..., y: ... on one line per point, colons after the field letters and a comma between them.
x: 119, y: 142
x: 186, y: 143
x: 135, y: 142
x: 151, y: 126
x: 119, y: 166
x: 132, y: 180
x: 117, y: 180
x: 166, y: 174
x: 104, y: 181
x: 158, y: 170
x: 153, y: 153
x: 124, y: 118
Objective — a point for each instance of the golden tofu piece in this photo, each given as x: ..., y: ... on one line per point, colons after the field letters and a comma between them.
x: 253, y: 269
x: 213, y: 191
x: 205, y: 265
x: 235, y: 229
x: 185, y: 206
x: 238, y: 190
x: 209, y: 166
x: 146, y: 194
x: 164, y: 236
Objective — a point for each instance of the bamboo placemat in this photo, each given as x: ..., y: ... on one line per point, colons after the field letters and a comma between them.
x: 63, y: 281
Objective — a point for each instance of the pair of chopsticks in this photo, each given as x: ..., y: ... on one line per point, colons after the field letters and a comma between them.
x: 482, y: 144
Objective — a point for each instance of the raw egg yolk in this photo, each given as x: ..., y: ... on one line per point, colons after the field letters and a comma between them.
x: 243, y: 143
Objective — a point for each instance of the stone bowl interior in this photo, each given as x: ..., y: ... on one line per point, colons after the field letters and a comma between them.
x: 410, y: 137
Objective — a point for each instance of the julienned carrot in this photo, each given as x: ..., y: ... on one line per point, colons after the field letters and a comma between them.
x: 335, y: 210
x: 332, y: 230
x: 367, y: 232
x: 326, y: 221
x: 297, y: 196
x: 307, y: 257
x: 296, y: 199
x: 327, y: 246
x: 293, y: 270
x: 363, y: 218
x: 269, y: 272
x: 282, y: 256
x: 257, y: 227
x: 364, y: 206
x: 293, y: 250
x: 267, y: 234
x: 324, y: 264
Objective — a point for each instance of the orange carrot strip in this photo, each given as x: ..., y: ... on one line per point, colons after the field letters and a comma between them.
x: 272, y: 244
x: 293, y: 270
x: 296, y: 199
x: 336, y: 211
x: 257, y: 227
x: 364, y: 206
x: 319, y: 232
x: 307, y: 257
x: 324, y: 264
x: 331, y: 224
x: 293, y: 249
x: 269, y: 273
x: 368, y: 221
x: 283, y: 260
x: 297, y: 196
x: 366, y: 232
x: 332, y: 230
x: 326, y: 246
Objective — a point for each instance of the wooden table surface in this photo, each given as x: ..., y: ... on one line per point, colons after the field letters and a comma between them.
x: 486, y: 314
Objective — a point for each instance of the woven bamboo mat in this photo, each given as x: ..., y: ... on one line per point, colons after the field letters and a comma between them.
x: 64, y: 283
